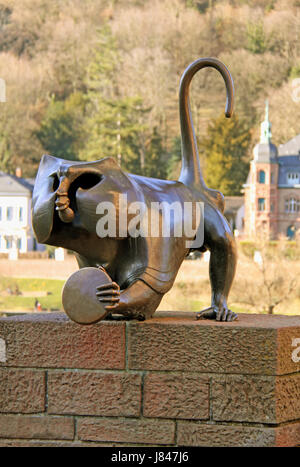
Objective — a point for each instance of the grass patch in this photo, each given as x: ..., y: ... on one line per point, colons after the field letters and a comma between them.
x: 52, y: 287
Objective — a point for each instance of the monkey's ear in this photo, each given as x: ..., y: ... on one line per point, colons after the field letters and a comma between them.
x: 43, y: 197
x: 50, y: 164
x: 48, y: 160
x: 43, y: 186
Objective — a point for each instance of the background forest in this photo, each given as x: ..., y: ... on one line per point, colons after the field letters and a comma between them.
x: 96, y: 78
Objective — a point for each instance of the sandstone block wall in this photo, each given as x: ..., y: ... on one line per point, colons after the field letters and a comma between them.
x: 169, y: 381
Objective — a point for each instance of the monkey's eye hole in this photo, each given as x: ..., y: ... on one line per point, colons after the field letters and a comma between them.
x: 55, y: 182
x: 84, y: 181
x: 88, y: 180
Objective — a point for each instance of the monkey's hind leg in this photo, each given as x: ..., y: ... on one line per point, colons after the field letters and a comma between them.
x: 219, y: 239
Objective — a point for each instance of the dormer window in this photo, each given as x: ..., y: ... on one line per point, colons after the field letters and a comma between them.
x: 293, y: 178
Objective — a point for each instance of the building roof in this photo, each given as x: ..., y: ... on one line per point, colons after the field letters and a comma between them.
x: 287, y: 155
x: 265, y: 150
x: 287, y: 164
x: 12, y: 185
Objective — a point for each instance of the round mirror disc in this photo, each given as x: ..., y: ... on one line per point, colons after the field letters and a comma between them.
x: 79, y: 297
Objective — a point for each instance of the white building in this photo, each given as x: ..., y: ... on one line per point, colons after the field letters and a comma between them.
x: 235, y: 213
x: 15, y: 214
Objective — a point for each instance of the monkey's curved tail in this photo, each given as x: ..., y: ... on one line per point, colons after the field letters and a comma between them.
x: 191, y: 172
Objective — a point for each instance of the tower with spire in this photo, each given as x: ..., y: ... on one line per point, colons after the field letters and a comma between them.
x: 265, y: 150
x: 261, y: 194
x: 265, y: 127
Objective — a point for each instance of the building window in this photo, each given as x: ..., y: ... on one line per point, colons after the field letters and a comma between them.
x: 19, y: 243
x: 262, y: 176
x: 261, y: 204
x: 272, y: 207
x: 292, y: 205
x: 293, y: 178
x: 21, y: 214
x: 272, y: 178
x: 9, y: 213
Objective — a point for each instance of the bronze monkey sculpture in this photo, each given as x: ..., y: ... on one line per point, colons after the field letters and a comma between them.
x: 139, y: 270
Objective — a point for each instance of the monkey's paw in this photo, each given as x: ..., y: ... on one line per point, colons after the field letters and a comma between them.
x: 109, y: 295
x: 218, y: 313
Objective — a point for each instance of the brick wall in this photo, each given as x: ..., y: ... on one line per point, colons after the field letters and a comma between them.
x: 169, y: 381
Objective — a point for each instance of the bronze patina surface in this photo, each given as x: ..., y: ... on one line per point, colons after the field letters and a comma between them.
x: 140, y: 269
x: 79, y: 299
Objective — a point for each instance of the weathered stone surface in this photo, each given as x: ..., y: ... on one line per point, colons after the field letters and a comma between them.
x: 288, y: 350
x: 249, y: 345
x: 244, y: 398
x: 178, y: 382
x: 195, y: 434
x: 127, y: 430
x: 22, y: 391
x: 288, y: 435
x: 36, y: 427
x: 37, y: 443
x: 260, y: 399
x: 94, y: 393
x: 52, y: 340
x: 287, y: 398
x: 176, y: 396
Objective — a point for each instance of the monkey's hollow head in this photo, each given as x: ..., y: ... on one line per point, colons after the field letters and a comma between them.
x: 65, y: 200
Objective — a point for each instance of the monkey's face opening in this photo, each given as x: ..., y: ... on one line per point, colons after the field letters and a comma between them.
x: 66, y: 195
x: 66, y: 190
x: 85, y: 181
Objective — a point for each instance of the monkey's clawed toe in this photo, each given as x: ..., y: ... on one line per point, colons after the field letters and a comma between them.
x: 218, y: 313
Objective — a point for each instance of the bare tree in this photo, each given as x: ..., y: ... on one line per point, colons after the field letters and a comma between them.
x: 269, y: 277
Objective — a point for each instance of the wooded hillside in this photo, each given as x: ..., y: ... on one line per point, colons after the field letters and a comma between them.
x: 88, y: 79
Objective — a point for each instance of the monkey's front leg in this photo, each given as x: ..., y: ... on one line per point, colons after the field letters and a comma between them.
x: 138, y: 301
x: 223, y: 257
x: 221, y: 270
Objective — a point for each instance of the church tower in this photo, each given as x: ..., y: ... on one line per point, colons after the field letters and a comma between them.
x: 261, y: 194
